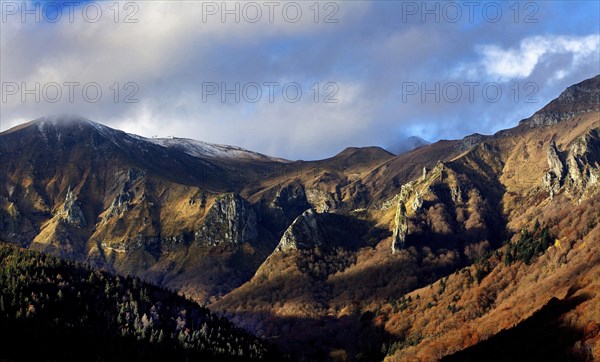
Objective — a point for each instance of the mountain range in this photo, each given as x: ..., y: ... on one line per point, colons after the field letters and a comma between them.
x: 452, y: 250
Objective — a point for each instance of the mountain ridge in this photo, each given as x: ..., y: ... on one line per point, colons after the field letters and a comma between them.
x: 381, y: 227
x: 189, y: 146
x: 584, y: 94
x: 407, y: 144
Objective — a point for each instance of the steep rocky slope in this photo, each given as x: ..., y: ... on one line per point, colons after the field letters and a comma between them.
x: 87, y: 192
x: 187, y: 215
x: 318, y: 255
x: 479, y: 193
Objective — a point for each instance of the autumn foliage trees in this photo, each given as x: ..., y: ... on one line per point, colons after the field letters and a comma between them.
x: 529, y: 245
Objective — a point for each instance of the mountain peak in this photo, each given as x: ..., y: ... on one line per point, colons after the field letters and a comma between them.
x: 64, y: 118
x: 407, y: 144
x: 64, y: 121
x: 370, y: 151
x: 471, y: 141
x: 579, y: 98
x: 55, y: 127
x: 583, y: 96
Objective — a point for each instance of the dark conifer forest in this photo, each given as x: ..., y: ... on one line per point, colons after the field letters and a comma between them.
x: 57, y: 310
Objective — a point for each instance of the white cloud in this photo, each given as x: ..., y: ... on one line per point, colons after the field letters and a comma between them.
x: 369, y: 53
x: 280, y: 128
x: 519, y: 63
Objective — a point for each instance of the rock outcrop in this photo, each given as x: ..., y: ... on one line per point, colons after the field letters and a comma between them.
x: 470, y: 141
x: 581, y: 169
x: 304, y: 233
x: 553, y: 178
x: 124, y: 200
x: 400, y: 228
x: 417, y: 203
x: 549, y: 118
x: 71, y: 212
x: 322, y: 201
x: 119, y: 206
x: 583, y: 162
x: 575, y: 100
x: 456, y: 194
x: 230, y: 220
x: 554, y: 162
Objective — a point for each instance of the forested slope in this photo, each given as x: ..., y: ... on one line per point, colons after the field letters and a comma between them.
x: 52, y: 309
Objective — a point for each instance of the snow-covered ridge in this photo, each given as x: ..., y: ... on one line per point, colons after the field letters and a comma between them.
x: 191, y: 147
x: 54, y: 121
x: 209, y: 150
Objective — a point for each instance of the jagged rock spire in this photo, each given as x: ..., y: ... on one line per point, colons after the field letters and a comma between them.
x: 400, y: 228
x: 71, y: 212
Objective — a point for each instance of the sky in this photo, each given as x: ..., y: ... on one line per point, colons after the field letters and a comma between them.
x: 299, y: 80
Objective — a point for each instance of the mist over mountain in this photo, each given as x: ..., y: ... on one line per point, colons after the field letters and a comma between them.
x: 407, y: 144
x: 453, y: 250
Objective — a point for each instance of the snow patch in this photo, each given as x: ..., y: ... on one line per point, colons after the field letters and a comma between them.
x: 191, y: 147
x: 209, y: 150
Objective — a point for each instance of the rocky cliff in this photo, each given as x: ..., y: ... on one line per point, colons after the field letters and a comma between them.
x: 71, y: 212
x: 580, y: 170
x: 553, y: 178
x: 231, y: 219
x: 400, y: 228
x: 583, y: 162
x: 577, y: 99
x: 304, y: 233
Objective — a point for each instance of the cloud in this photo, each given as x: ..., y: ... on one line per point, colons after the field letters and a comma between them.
x: 305, y: 128
x: 519, y: 63
x: 163, y: 62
